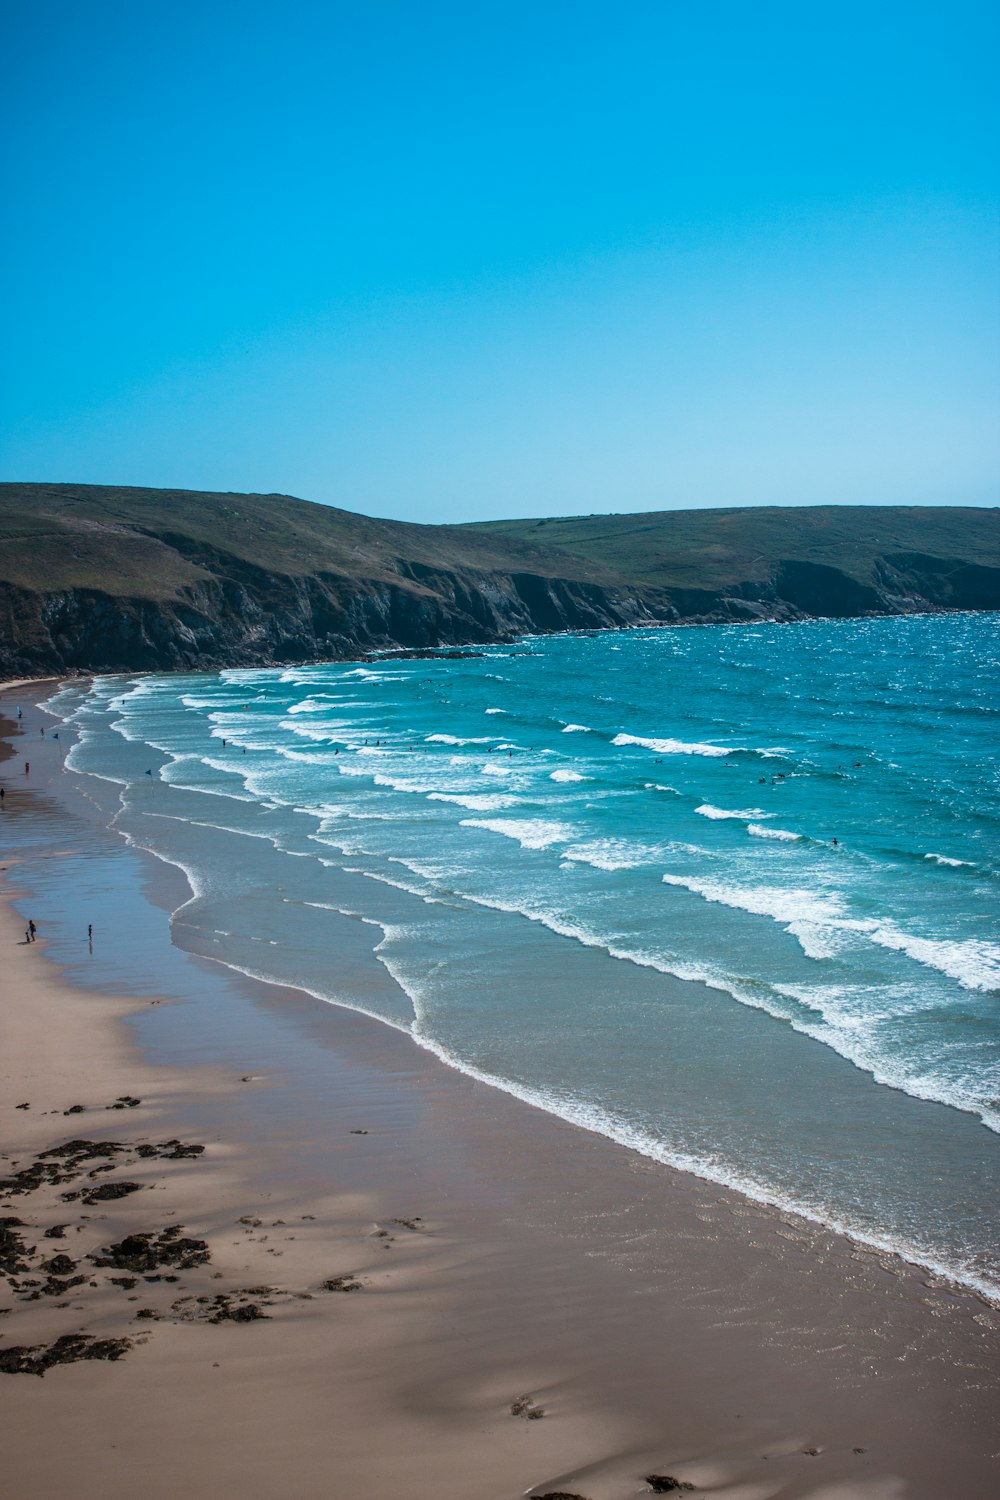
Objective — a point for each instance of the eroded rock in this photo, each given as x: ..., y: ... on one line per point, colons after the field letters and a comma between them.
x: 148, y: 1251
x: 24, y: 1359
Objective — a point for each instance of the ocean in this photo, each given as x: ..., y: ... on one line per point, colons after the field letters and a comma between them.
x: 726, y: 895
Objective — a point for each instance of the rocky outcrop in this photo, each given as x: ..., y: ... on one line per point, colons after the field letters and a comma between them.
x: 251, y: 618
x: 95, y: 579
x: 244, y: 616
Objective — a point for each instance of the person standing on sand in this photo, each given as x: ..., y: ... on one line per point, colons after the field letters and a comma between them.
x: 2, y: 795
x: 32, y: 929
x: 27, y: 767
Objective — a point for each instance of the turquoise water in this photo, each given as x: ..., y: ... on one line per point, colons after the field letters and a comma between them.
x: 726, y: 894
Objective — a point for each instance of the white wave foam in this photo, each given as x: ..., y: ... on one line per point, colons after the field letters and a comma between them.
x: 673, y: 747
x: 818, y: 922
x: 318, y: 703
x: 530, y: 833
x: 654, y: 786
x: 567, y: 776
x: 475, y: 802
x: 497, y: 710
x: 974, y: 963
x: 708, y: 811
x: 577, y: 729
x: 455, y: 739
x: 955, y: 864
x: 496, y: 768
x: 782, y: 904
x: 760, y: 832
x: 609, y: 854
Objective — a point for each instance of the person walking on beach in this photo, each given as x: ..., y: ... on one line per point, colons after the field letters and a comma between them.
x: 27, y: 767
x: 2, y: 795
x: 31, y: 931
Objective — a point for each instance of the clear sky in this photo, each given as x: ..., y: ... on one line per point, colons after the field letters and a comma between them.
x: 445, y: 261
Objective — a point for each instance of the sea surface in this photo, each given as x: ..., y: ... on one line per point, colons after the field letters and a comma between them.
x: 727, y: 895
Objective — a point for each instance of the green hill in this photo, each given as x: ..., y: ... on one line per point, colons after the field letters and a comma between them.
x: 96, y: 578
x: 711, y: 549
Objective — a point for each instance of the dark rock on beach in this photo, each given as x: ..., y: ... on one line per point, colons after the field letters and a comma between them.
x: 147, y: 1252
x: 13, y: 1250
x: 559, y: 1495
x: 177, y: 1150
x: 60, y: 1265
x: 109, y: 1191
x: 246, y: 1312
x: 22, y: 1359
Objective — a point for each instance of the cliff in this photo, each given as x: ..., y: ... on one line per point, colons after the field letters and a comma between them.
x: 99, y: 579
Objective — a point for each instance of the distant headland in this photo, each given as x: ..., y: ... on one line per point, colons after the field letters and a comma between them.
x: 95, y: 578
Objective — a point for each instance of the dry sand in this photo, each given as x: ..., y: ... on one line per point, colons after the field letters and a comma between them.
x: 492, y: 1253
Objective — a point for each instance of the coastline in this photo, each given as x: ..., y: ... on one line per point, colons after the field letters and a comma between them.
x: 664, y: 1324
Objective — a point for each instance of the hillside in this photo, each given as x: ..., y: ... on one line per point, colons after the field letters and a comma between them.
x: 828, y: 559
x: 95, y: 578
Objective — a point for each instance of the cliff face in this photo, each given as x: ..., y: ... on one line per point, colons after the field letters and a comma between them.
x: 105, y: 580
x: 273, y: 619
x: 904, y: 584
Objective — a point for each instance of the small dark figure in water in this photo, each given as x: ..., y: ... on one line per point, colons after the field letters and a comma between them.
x: 835, y: 841
x: 32, y: 930
x: 27, y: 767
x: 223, y: 744
x: 2, y: 795
x: 149, y: 773
x: 90, y: 932
x: 42, y: 731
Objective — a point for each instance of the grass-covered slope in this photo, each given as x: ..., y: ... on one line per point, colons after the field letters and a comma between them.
x: 95, y: 578
x: 154, y: 542
x: 106, y: 579
x: 711, y: 549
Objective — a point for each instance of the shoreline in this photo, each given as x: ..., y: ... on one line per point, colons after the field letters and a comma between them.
x: 732, y: 1338
x: 746, y: 1189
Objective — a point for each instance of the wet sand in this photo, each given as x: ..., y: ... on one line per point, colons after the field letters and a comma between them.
x: 491, y: 1254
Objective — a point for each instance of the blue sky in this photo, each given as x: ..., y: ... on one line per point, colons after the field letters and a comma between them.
x: 452, y: 261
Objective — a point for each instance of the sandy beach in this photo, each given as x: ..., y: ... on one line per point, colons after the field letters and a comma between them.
x: 289, y: 1253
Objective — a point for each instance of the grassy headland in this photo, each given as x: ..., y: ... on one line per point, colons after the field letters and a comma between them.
x: 98, y: 578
